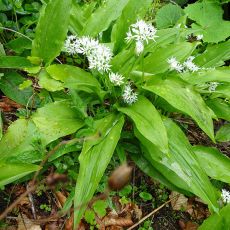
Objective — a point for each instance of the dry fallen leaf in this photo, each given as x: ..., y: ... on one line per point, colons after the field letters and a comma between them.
x: 61, y: 198
x: 188, y: 225
x: 180, y: 202
x: 26, y: 224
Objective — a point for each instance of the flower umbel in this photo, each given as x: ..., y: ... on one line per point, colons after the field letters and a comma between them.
x: 116, y: 79
x: 141, y: 32
x: 189, y: 65
x: 71, y: 44
x: 175, y: 65
x: 129, y: 96
x: 212, y: 86
x: 98, y: 55
x: 225, y: 196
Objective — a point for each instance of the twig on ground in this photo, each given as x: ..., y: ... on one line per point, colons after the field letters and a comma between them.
x: 151, y: 213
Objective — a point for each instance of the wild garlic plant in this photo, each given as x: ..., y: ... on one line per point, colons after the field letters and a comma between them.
x: 123, y: 86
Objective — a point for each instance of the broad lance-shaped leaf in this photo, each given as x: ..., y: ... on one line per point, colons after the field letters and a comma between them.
x: 56, y: 120
x: 14, y: 62
x: 20, y: 141
x: 217, y: 221
x: 11, y: 172
x: 183, y: 97
x: 214, y: 55
x: 220, y: 107
x: 133, y: 10
x: 215, y: 163
x: 148, y: 122
x: 101, y: 19
x: 221, y: 74
x: 156, y: 61
x: 75, y: 78
x: 94, y: 158
x: 147, y: 166
x: 223, y: 134
x: 10, y: 86
x: 182, y: 161
x: 51, y: 30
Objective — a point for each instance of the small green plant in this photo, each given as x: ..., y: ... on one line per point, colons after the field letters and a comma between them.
x: 45, y: 207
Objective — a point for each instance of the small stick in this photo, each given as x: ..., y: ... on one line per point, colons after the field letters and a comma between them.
x: 33, y: 184
x: 32, y: 203
x: 151, y: 213
x: 15, y: 203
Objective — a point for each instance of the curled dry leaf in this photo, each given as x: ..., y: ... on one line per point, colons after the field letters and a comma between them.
x: 61, y: 197
x: 188, y: 225
x: 180, y: 201
x: 26, y: 224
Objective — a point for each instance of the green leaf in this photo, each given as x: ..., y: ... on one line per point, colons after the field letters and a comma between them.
x: 1, y: 126
x: 14, y: 62
x: 56, y: 120
x: 214, y: 55
x: 147, y: 166
x: 223, y: 134
x: 145, y: 196
x: 182, y: 162
x: 209, y: 19
x: 133, y: 10
x: 51, y: 30
x: 94, y: 158
x: 19, y: 44
x: 221, y: 74
x: 215, y: 163
x: 223, y: 90
x: 148, y: 122
x: 168, y: 15
x: 183, y: 97
x: 100, y: 207
x: 101, y: 18
x: 20, y: 142
x: 156, y: 62
x: 75, y: 78
x: 13, y: 172
x: 77, y: 18
x: 10, y: 86
x: 220, y: 107
x: 218, y: 221
x: 48, y: 83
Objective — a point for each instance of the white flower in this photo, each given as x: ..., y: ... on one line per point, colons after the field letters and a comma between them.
x: 140, y: 32
x: 188, y: 64
x: 199, y: 37
x: 129, y: 96
x: 225, y: 196
x: 139, y: 47
x: 212, y: 86
x: 71, y: 44
x: 175, y: 65
x: 99, y: 58
x: 87, y: 45
x: 116, y: 79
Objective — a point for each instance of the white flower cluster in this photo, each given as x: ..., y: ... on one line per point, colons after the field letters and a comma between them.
x: 99, y: 56
x: 175, y: 65
x: 212, y: 86
x: 188, y: 65
x: 116, y: 79
x: 129, y: 96
x: 141, y: 32
x: 225, y: 196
